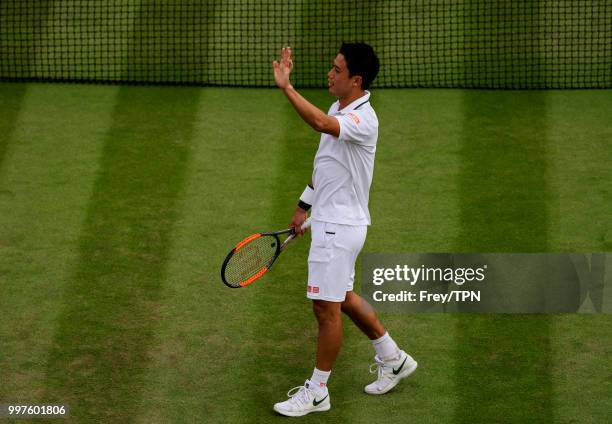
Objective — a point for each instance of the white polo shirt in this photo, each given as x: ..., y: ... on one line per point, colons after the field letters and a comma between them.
x: 343, y: 166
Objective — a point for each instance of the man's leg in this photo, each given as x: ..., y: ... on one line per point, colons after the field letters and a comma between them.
x: 330, y: 332
x: 363, y: 315
x: 314, y: 396
x: 393, y: 364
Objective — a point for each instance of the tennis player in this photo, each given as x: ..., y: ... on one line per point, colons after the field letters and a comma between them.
x: 338, y: 194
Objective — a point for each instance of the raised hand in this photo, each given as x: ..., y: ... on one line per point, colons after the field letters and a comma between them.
x: 282, y: 69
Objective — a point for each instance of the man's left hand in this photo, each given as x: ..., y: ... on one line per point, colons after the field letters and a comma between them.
x: 282, y: 69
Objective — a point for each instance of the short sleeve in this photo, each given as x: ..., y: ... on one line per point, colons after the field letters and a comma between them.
x: 357, y: 127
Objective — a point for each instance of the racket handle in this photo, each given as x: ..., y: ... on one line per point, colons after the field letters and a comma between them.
x: 291, y: 236
x: 306, y: 224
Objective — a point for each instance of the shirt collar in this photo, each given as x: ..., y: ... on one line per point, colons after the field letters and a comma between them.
x: 356, y: 103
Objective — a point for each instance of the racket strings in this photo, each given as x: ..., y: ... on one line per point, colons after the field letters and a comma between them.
x: 250, y: 259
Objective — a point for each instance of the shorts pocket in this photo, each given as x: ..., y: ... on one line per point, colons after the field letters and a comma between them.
x: 329, y: 234
x: 321, y: 247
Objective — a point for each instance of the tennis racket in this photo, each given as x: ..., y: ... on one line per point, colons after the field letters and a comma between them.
x: 254, y: 256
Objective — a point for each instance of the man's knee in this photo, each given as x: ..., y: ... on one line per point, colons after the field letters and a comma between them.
x: 355, y: 305
x: 325, y: 311
x: 350, y: 302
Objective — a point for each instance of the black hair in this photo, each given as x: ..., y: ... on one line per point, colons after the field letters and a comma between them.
x: 361, y: 60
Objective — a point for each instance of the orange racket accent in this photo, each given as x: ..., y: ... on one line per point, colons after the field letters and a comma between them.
x: 246, y: 240
x: 254, y: 277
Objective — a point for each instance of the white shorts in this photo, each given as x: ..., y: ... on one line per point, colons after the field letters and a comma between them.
x: 331, y: 261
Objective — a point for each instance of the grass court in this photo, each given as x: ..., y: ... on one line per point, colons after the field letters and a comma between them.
x: 118, y: 205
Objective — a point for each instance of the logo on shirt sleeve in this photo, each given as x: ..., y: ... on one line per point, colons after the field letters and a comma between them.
x: 354, y: 117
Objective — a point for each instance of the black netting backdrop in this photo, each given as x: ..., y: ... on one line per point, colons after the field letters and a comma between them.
x: 437, y: 43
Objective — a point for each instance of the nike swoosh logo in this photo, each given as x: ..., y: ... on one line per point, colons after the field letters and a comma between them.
x: 316, y: 403
x: 396, y: 371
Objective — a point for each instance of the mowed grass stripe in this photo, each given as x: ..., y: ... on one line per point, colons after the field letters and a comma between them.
x: 10, y: 105
x: 580, y: 172
x: 581, y: 175
x: 283, y: 324
x: 13, y: 94
x: 111, y: 303
x: 504, y: 201
x: 205, y: 350
x: 414, y: 207
x: 46, y: 182
x: 115, y: 290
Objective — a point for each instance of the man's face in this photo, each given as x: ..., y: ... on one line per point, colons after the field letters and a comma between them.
x: 338, y: 80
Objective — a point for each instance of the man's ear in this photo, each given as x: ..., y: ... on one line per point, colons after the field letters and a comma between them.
x: 357, y: 81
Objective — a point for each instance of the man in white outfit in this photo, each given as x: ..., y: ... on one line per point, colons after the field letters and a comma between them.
x: 338, y: 194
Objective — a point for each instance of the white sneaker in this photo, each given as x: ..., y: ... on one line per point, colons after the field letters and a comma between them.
x: 390, y: 373
x: 304, y: 400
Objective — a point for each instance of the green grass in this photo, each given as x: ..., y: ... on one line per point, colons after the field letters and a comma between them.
x: 118, y: 205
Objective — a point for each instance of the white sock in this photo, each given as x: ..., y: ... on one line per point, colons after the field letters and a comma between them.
x: 319, y: 379
x: 386, y: 348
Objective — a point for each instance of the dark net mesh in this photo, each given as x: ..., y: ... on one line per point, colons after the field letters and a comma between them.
x: 436, y: 43
x: 249, y: 260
